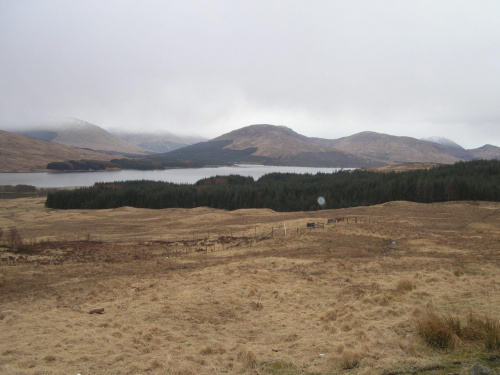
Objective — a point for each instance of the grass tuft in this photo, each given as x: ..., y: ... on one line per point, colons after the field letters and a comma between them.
x: 349, y: 360
x: 248, y: 359
x: 484, y: 329
x: 255, y: 305
x: 405, y: 285
x: 279, y: 367
x: 435, y: 331
x: 444, y: 333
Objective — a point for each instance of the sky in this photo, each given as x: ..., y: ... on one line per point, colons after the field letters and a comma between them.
x: 326, y: 69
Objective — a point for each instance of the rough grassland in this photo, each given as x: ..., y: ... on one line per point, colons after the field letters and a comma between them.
x: 204, y: 291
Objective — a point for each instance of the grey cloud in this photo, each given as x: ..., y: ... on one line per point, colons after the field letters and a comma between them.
x: 327, y: 68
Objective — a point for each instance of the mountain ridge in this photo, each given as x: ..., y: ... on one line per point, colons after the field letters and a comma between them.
x: 14, y: 148
x: 157, y: 142
x: 280, y: 145
x: 78, y: 133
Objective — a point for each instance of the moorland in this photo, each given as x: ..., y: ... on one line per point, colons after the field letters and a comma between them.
x: 395, y: 288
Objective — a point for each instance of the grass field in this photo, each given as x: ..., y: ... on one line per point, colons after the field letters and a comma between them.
x: 204, y: 291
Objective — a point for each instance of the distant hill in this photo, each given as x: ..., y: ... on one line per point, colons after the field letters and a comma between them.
x: 270, y: 145
x: 486, y: 152
x: 20, y: 153
x: 158, y: 142
x: 390, y: 149
x: 78, y: 133
x: 442, y: 141
x: 280, y: 145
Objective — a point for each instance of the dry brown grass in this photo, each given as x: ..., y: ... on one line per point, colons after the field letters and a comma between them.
x: 449, y: 331
x: 405, y: 285
x: 14, y: 147
x: 321, y: 301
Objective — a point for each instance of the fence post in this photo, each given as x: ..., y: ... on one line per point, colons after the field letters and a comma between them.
x: 284, y: 227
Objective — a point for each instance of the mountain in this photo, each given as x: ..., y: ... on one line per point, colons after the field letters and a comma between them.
x: 78, y: 133
x: 158, y: 142
x: 442, y: 141
x: 390, y: 149
x: 270, y: 140
x: 270, y: 145
x: 280, y: 145
x: 20, y: 153
x: 486, y: 152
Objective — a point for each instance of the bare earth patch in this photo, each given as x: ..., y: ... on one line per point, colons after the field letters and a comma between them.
x: 206, y: 291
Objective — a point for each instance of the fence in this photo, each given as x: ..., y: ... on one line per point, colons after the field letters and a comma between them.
x: 173, y: 246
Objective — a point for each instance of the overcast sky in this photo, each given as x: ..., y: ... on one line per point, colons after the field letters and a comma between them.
x: 323, y: 68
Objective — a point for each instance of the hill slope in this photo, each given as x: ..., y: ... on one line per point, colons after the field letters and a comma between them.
x: 390, y: 149
x: 442, y: 141
x: 78, y: 133
x: 159, y: 142
x: 279, y: 145
x: 486, y: 152
x: 271, y: 145
x: 25, y: 154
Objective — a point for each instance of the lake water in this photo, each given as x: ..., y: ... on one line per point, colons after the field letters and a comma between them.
x: 190, y: 176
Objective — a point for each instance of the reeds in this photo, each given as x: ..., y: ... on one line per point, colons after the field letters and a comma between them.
x: 448, y: 332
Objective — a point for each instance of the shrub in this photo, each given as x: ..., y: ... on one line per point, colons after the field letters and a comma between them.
x: 484, y: 329
x: 435, y: 331
x: 14, y: 239
x: 445, y: 332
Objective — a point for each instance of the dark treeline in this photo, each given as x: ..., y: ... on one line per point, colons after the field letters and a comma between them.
x: 474, y: 180
x: 143, y: 164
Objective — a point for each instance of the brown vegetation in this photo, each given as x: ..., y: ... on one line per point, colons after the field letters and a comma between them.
x: 15, y: 147
x: 205, y: 291
x: 405, y: 167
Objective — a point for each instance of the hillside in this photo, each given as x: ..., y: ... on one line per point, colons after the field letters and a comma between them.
x: 78, y: 133
x: 158, y: 142
x: 390, y: 149
x: 271, y: 145
x: 25, y: 154
x: 270, y: 140
x: 232, y: 292
x: 443, y: 141
x: 486, y: 152
x: 281, y: 146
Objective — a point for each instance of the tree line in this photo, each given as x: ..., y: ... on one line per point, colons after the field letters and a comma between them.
x: 472, y: 180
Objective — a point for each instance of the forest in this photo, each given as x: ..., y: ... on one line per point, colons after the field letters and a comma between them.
x: 471, y: 181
